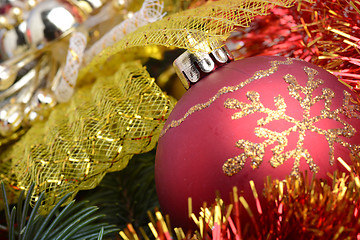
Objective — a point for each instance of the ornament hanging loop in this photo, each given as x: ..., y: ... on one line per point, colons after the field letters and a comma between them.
x: 191, y: 67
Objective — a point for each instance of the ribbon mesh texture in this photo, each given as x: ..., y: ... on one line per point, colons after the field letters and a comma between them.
x: 123, y: 115
x: 210, y: 23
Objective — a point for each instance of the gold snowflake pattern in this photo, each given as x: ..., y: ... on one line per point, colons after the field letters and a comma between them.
x: 305, y: 96
x: 225, y: 90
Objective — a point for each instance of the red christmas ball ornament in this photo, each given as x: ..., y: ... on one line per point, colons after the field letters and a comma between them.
x: 253, y: 118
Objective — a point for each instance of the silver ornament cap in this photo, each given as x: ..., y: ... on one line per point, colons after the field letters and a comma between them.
x: 191, y: 67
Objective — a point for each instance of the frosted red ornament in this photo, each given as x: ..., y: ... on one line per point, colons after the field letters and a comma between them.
x: 256, y: 117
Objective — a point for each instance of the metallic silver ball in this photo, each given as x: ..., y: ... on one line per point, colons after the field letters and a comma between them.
x: 11, y: 117
x: 13, y: 41
x: 50, y: 20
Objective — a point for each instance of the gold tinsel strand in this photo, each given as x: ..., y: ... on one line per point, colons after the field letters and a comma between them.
x: 295, y: 208
x: 103, y: 127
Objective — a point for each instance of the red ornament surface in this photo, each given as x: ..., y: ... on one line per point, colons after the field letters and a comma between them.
x: 256, y: 117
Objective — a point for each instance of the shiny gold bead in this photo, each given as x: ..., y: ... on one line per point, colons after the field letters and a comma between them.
x: 89, y: 6
x: 40, y: 106
x: 119, y: 4
x: 17, y: 14
x: 4, y: 23
x: 7, y: 77
x: 31, y: 4
x: 43, y: 101
x: 129, y: 15
x: 31, y: 117
x: 11, y: 117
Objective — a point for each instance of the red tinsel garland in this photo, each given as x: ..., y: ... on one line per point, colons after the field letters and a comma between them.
x: 325, y: 33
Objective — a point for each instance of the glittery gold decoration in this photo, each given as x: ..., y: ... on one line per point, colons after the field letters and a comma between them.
x: 256, y: 151
x: 210, y: 23
x: 99, y: 132
x: 198, y: 107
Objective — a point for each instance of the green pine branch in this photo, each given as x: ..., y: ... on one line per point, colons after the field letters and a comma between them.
x: 74, y: 221
x: 121, y: 198
x: 126, y: 196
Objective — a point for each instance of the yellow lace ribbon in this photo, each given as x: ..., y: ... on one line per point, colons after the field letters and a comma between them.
x: 98, y: 132
x: 210, y: 23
